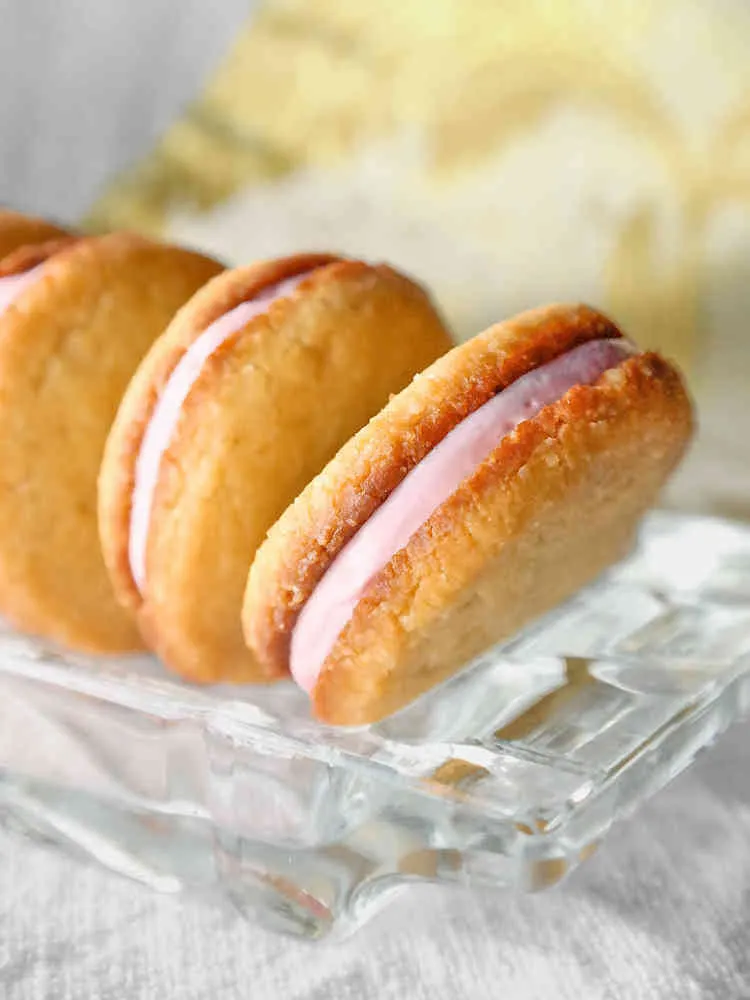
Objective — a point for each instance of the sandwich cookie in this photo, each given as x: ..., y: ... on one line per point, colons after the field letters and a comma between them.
x: 76, y: 316
x: 258, y: 381
x: 506, y: 476
x: 17, y: 230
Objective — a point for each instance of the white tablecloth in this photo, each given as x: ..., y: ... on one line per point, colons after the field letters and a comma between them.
x: 662, y: 911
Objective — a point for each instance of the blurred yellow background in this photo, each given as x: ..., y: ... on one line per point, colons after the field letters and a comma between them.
x: 507, y: 153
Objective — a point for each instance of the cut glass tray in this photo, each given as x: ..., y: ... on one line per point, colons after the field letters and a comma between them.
x: 507, y: 775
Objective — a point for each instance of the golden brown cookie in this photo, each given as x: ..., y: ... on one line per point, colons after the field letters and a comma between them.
x: 17, y: 230
x: 507, y: 475
x: 255, y: 385
x: 80, y: 316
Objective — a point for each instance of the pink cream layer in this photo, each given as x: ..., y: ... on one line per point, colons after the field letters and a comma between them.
x: 166, y: 413
x: 12, y: 285
x: 332, y: 602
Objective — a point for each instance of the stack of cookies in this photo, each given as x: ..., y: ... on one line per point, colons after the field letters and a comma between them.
x: 286, y: 469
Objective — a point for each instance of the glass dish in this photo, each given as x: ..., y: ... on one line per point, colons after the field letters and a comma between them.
x: 507, y: 775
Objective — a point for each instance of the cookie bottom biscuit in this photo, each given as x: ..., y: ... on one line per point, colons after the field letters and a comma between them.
x: 552, y: 510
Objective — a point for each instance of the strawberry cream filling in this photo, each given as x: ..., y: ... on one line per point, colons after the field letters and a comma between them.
x: 12, y: 285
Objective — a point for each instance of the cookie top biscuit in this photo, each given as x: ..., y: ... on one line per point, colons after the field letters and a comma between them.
x: 322, y: 345
x: 69, y: 343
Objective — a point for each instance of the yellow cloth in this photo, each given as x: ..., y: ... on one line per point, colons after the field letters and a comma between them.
x: 506, y: 152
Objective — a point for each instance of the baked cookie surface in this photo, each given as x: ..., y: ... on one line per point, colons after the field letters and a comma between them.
x: 18, y: 230
x: 323, y: 344
x: 553, y: 501
x: 69, y: 343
